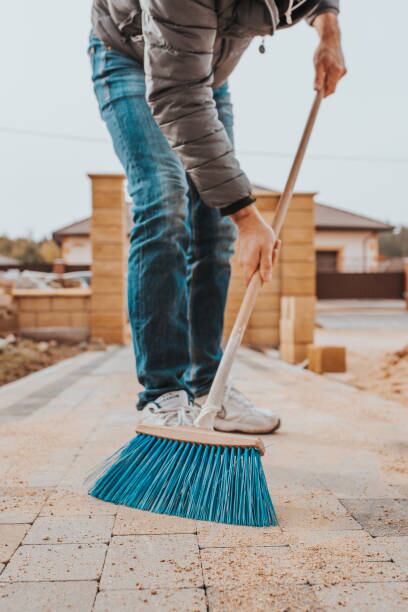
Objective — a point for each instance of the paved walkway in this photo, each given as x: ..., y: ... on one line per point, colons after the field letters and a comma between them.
x: 338, y: 474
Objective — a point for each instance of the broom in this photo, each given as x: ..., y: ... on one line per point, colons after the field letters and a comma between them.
x: 195, y: 472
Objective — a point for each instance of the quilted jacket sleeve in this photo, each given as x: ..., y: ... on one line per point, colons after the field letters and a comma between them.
x: 324, y: 6
x: 178, y: 66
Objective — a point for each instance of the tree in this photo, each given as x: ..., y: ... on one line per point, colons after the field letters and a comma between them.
x: 394, y: 244
x: 28, y: 251
x: 49, y: 251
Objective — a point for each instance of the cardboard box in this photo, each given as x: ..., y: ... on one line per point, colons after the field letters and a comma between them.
x: 326, y: 358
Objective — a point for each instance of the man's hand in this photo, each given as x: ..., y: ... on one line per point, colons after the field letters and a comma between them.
x: 258, y: 247
x: 328, y: 59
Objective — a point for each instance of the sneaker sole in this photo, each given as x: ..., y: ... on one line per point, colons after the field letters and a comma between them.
x: 254, y: 433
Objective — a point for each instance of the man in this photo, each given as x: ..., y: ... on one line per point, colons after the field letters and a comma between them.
x: 160, y: 70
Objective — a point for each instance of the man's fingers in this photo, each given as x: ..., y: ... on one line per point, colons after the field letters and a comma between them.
x: 249, y: 271
x: 266, y: 262
x: 320, y: 77
x: 250, y: 264
x: 333, y: 77
x: 276, y: 249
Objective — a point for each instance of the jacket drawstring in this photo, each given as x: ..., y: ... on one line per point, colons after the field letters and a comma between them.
x: 291, y: 8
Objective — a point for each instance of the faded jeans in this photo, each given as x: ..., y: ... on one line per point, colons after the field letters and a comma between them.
x: 178, y: 269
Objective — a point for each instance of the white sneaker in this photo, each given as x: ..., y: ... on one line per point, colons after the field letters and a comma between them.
x: 171, y: 409
x: 238, y: 413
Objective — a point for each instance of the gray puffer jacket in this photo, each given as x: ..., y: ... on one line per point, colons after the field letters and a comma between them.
x: 188, y: 47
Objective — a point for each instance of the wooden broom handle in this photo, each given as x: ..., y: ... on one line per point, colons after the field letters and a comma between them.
x: 216, y: 394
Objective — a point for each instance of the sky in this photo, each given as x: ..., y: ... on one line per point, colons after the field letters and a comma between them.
x: 358, y: 156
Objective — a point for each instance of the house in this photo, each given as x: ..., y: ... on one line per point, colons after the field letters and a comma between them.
x: 344, y: 241
x: 8, y: 262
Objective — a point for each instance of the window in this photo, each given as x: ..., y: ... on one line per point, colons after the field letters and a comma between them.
x: 326, y: 261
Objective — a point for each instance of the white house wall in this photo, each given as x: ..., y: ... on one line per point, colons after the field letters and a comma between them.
x: 357, y: 250
x: 77, y: 251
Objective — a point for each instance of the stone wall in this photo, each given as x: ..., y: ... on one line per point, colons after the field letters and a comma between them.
x: 109, y: 247
x: 55, y: 313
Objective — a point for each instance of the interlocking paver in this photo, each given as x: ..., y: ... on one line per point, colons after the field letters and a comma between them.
x: 48, y: 596
x: 312, y: 510
x: 61, y: 562
x: 20, y: 505
x: 231, y: 568
x: 274, y: 598
x: 152, y: 600
x: 152, y: 561
x: 335, y: 472
x: 74, y: 503
x: 67, y: 530
x: 339, y: 544
x: 130, y: 521
x: 215, y: 535
x: 364, y: 597
x: 380, y: 517
x: 396, y: 547
x: 10, y: 538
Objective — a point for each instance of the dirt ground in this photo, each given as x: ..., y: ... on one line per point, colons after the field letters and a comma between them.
x: 376, y: 339
x: 19, y: 356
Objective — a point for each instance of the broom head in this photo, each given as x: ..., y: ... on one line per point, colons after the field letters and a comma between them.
x: 189, y: 472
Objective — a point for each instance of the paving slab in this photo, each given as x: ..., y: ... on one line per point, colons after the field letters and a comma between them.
x: 152, y: 600
x: 130, y: 521
x: 75, y: 503
x: 354, y: 544
x: 229, y: 568
x: 396, y: 547
x: 274, y: 598
x: 67, y: 530
x: 232, y: 568
x: 214, y: 535
x: 21, y: 505
x: 48, y: 596
x: 11, y: 537
x: 364, y: 597
x: 336, y: 472
x: 61, y: 562
x: 380, y: 517
x: 312, y: 510
x: 152, y: 562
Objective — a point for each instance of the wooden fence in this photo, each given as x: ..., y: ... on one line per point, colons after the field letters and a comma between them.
x: 362, y: 285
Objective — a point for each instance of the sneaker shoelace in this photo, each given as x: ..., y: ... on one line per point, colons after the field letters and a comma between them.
x: 182, y: 414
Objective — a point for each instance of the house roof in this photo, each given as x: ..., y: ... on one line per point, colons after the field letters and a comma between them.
x: 326, y: 217
x: 81, y: 228
x: 332, y: 218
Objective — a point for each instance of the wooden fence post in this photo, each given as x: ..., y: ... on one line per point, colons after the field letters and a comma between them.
x: 108, y: 237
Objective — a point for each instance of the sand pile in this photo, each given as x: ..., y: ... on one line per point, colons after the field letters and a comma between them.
x: 388, y: 378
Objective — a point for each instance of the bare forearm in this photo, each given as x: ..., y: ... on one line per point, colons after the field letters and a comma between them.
x: 327, y: 26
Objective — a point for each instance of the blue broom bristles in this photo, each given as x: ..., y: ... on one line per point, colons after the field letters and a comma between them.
x: 190, y: 480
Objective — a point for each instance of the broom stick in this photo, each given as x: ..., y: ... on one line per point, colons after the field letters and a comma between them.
x: 215, y: 398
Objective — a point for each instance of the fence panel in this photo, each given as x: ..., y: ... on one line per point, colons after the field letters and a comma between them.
x: 365, y: 285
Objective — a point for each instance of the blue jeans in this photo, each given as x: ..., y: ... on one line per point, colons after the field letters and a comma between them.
x: 179, y: 270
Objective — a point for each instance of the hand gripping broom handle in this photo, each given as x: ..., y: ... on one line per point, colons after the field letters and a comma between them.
x: 213, y: 404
